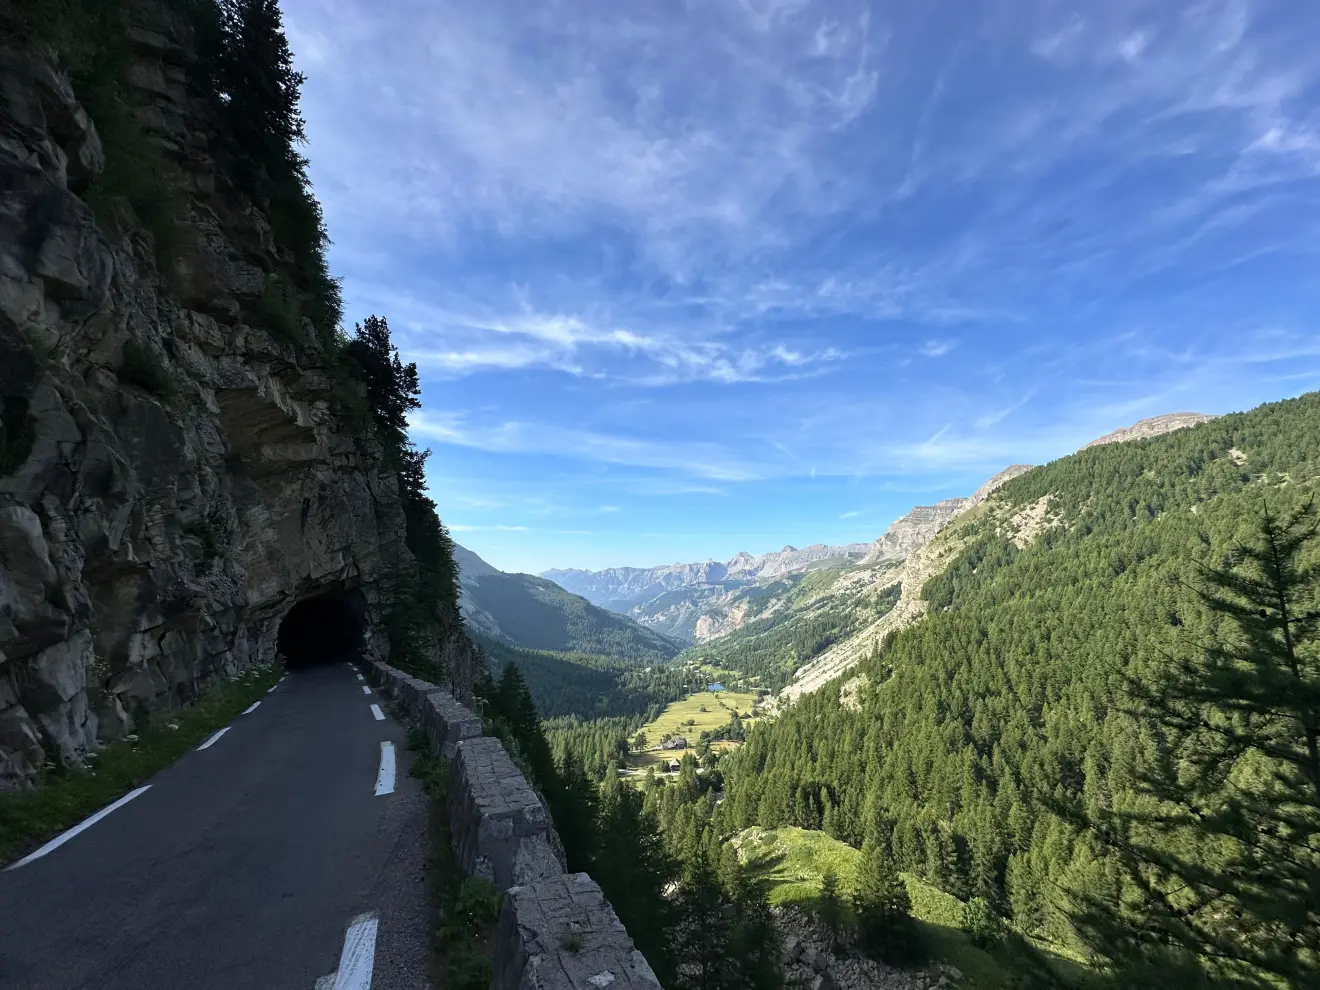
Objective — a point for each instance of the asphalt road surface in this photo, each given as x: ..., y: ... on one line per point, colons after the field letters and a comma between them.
x: 286, y: 852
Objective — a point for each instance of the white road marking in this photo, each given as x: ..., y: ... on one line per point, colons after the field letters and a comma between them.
x: 214, y: 739
x: 59, y: 840
x: 359, y: 955
x: 385, y: 778
x: 251, y: 708
x: 380, y: 715
x: 273, y: 687
x: 360, y: 677
x: 365, y: 689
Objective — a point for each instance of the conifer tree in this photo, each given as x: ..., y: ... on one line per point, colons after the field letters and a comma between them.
x: 1222, y: 854
x: 633, y: 870
x: 885, y: 929
x: 829, y: 908
x: 261, y: 88
x: 705, y: 930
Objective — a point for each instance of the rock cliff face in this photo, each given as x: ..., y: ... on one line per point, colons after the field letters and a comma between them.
x: 157, y: 524
x: 1152, y: 427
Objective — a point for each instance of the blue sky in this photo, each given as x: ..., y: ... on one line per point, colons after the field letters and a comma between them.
x: 689, y: 278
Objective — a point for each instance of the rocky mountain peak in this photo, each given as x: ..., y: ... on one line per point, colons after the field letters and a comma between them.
x: 1152, y: 427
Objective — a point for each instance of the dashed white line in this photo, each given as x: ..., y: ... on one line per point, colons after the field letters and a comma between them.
x: 59, y: 840
x: 380, y: 715
x: 359, y: 955
x: 365, y: 689
x: 385, y: 777
x: 360, y: 677
x: 273, y: 687
x: 214, y: 739
x: 251, y: 708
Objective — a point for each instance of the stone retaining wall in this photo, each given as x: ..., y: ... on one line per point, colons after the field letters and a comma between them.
x: 556, y: 929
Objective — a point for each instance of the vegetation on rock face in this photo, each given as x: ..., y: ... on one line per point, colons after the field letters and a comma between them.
x: 420, y: 605
x: 141, y: 368
x: 17, y: 434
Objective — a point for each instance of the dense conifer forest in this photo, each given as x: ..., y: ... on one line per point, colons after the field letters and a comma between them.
x: 997, y: 730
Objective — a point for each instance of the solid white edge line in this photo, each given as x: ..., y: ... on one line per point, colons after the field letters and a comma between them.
x: 385, y: 777
x: 359, y: 955
x: 214, y: 739
x: 365, y: 689
x: 380, y: 715
x: 64, y: 837
x: 251, y: 708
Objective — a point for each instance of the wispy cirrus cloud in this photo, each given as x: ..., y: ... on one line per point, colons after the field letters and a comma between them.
x: 765, y: 249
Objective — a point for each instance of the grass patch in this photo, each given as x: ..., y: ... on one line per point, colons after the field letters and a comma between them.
x: 719, y: 705
x: 141, y: 368
x: 793, y: 860
x: 64, y: 797
x: 468, y: 907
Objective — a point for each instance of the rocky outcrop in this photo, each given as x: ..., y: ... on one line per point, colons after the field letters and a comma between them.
x: 173, y: 477
x: 1152, y: 427
x: 915, y: 530
x: 556, y: 930
x: 810, y: 961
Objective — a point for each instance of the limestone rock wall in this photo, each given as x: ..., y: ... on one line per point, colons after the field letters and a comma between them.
x: 151, y: 539
x: 556, y: 929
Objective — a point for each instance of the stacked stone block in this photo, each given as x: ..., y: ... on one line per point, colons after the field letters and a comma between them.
x: 556, y: 931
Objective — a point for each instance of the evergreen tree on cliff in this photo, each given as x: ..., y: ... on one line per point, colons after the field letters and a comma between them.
x: 393, y: 390
x: 1222, y: 849
x: 255, y: 73
x: 254, y: 91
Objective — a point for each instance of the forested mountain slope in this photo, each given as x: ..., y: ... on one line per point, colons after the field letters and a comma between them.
x: 527, y: 611
x: 1005, y: 694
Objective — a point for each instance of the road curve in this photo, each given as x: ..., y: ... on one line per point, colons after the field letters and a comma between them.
x: 246, y: 864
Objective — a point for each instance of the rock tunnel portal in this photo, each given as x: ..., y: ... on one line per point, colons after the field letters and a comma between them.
x: 327, y: 628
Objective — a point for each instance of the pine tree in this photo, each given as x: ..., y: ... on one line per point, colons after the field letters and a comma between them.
x: 885, y: 929
x: 1222, y: 856
x: 754, y: 941
x: 261, y: 89
x: 705, y: 930
x: 573, y: 808
x: 633, y: 870
x: 393, y: 387
x: 829, y: 907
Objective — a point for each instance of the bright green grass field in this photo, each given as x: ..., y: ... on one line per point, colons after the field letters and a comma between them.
x: 793, y: 860
x: 719, y: 705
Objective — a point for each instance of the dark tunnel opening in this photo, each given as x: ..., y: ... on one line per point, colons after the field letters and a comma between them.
x: 324, y: 629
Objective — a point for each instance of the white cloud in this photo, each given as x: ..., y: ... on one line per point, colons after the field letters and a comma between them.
x: 936, y: 348
x: 850, y: 515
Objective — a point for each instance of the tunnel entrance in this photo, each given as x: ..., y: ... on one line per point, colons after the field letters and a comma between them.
x: 324, y: 629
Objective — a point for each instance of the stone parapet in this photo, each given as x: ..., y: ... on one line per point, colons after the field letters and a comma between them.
x: 556, y: 930
x: 560, y: 933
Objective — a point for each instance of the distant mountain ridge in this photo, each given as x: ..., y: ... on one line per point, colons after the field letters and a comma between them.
x: 533, y: 613
x: 620, y: 588
x: 702, y: 602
